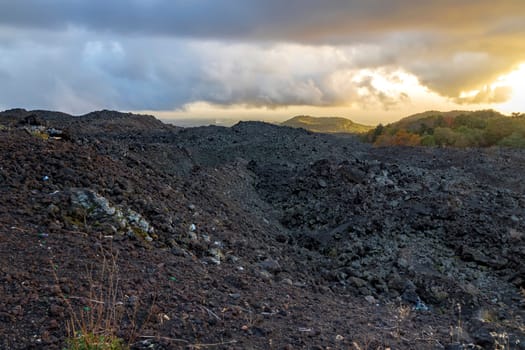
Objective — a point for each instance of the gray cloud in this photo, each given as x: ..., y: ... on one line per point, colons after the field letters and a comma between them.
x: 461, y: 71
x: 158, y: 54
x: 271, y: 19
x: 79, y: 71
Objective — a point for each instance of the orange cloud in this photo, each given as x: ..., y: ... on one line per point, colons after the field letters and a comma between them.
x: 492, y: 95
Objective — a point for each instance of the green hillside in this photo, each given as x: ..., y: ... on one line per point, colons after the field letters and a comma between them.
x: 328, y: 125
x: 454, y: 129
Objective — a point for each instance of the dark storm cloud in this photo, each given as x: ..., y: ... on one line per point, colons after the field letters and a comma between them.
x: 161, y: 54
x: 293, y: 20
x: 195, y: 18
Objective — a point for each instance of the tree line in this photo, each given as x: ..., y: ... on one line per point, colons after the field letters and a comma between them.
x: 469, y: 129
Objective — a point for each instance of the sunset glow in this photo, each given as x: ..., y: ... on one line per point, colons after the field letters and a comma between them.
x: 369, y: 61
x: 516, y: 81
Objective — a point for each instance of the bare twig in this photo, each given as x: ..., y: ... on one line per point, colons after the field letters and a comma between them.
x: 211, y: 313
x: 164, y: 338
x: 191, y: 346
x: 87, y: 299
x: 212, y: 344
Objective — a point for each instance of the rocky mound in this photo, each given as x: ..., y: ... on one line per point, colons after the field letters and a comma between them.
x: 255, y: 236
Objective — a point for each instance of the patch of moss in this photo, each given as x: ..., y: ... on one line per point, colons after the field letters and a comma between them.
x: 91, y: 341
x: 139, y: 233
x: 41, y: 135
x: 74, y: 221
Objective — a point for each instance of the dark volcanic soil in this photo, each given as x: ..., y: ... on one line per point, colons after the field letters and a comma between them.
x: 255, y: 237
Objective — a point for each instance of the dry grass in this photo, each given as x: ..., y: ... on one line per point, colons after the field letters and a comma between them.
x: 95, y: 320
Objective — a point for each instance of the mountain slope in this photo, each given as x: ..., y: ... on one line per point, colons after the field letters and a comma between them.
x: 329, y: 125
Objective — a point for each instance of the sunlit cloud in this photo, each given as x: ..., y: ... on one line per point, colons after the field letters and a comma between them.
x: 505, y: 88
x: 515, y: 80
x: 376, y: 57
x: 488, y: 94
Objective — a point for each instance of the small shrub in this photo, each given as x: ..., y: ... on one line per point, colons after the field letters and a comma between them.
x: 428, y: 140
x: 94, y: 322
x: 514, y: 140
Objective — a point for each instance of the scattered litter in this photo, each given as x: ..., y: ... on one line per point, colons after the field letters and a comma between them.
x: 304, y: 329
x: 420, y: 306
x: 37, y: 339
x: 172, y: 278
x: 215, y: 260
x: 108, y: 237
x: 56, y: 134
x: 339, y: 337
x: 43, y: 235
x: 269, y: 313
x: 45, y: 178
x: 193, y: 227
x: 216, y: 255
x: 193, y: 236
x: 148, y: 239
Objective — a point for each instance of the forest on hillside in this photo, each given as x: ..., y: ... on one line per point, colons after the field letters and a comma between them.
x: 467, y: 129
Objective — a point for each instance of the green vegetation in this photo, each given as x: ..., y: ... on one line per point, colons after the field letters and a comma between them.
x: 329, y: 125
x: 95, y: 322
x: 453, y: 129
x: 40, y: 134
x: 91, y: 341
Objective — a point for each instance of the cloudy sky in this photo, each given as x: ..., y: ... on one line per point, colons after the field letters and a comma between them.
x: 371, y: 61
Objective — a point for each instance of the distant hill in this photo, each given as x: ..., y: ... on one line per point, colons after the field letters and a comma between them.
x: 329, y: 125
x: 106, y: 120
x: 483, y: 128
x: 432, y: 118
